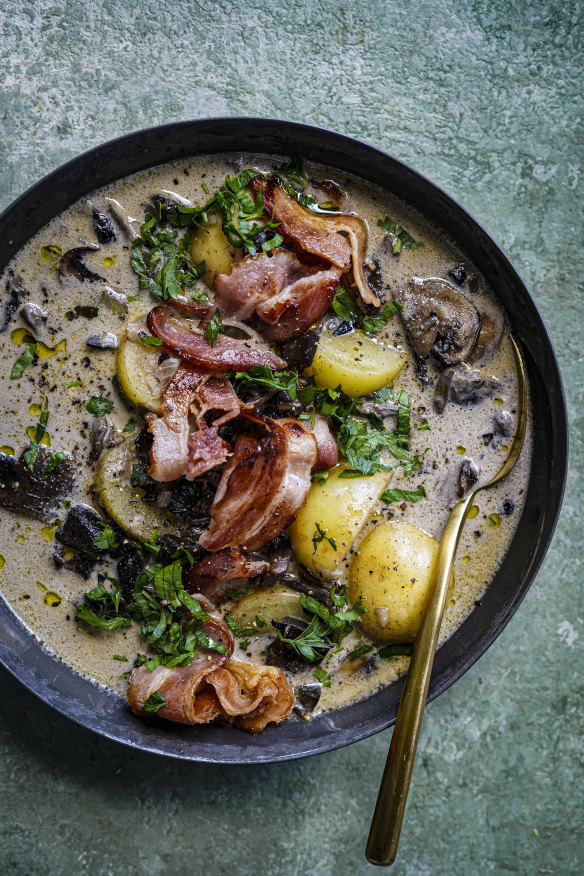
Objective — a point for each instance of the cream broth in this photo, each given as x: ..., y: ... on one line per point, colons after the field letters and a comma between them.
x: 45, y: 597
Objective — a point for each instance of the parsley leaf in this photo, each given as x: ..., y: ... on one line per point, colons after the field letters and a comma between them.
x: 287, y: 381
x: 344, y: 305
x: 401, y: 238
x: 30, y: 456
x: 106, y: 539
x: 53, y: 462
x: 390, y: 496
x: 372, y: 325
x: 150, y: 340
x: 214, y: 327
x: 392, y: 652
x: 319, y: 535
x: 130, y: 426
x: 102, y: 607
x: 98, y: 405
x: 322, y: 676
x: 154, y: 702
x: 360, y: 651
x: 23, y: 361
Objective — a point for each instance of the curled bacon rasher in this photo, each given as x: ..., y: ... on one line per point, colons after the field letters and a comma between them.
x: 226, y: 353
x: 318, y: 233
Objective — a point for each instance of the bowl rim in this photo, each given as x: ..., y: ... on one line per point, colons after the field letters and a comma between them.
x: 99, y: 709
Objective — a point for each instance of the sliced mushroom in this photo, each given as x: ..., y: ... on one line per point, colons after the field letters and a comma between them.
x: 442, y: 390
x: 469, y: 475
x: 469, y: 387
x: 72, y: 262
x: 104, y: 228
x: 489, y: 338
x: 102, y: 436
x: 35, y: 316
x: 307, y: 697
x: 15, y: 294
x: 438, y: 318
x: 170, y: 200
x: 107, y: 342
x: 116, y: 301
x: 121, y: 216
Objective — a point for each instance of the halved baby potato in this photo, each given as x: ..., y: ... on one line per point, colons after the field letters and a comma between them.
x: 137, y: 368
x: 210, y: 245
x: 391, y: 576
x: 357, y: 362
x: 272, y: 604
x: 333, y: 511
x: 122, y: 501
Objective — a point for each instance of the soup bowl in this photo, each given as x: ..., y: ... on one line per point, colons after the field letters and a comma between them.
x: 105, y: 712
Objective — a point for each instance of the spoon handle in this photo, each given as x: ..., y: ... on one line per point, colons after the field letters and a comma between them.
x: 393, y: 792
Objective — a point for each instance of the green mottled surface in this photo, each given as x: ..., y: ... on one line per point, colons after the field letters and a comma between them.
x: 484, y: 98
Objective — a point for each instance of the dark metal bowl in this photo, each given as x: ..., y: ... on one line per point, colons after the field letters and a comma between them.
x: 106, y: 713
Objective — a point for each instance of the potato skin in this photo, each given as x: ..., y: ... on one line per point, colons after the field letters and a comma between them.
x: 340, y: 506
x: 392, y: 572
x: 357, y: 362
x: 210, y: 245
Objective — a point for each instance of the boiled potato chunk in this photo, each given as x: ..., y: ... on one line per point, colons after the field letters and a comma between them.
x: 357, y: 362
x: 391, y: 575
x: 136, y: 367
x: 122, y: 501
x: 271, y: 604
x: 338, y: 508
x: 210, y: 245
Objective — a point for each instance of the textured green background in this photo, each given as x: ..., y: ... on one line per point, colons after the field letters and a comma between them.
x: 485, y: 99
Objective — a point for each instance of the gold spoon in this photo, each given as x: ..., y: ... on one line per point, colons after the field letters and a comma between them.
x: 393, y: 792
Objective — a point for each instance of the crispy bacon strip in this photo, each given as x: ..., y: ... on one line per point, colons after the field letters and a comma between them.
x: 262, y: 486
x: 250, y: 696
x: 212, y: 575
x: 176, y: 452
x: 226, y: 353
x: 319, y: 234
x: 282, y: 290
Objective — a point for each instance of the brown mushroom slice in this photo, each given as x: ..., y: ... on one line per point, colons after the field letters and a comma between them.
x: 73, y: 262
x: 438, y: 318
x: 489, y: 338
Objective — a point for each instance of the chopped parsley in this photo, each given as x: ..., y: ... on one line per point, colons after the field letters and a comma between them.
x: 154, y: 702
x: 214, y: 328
x: 98, y: 405
x: 102, y: 608
x: 150, y: 340
x: 106, y: 539
x: 321, y: 675
x: 130, y: 426
x: 392, y: 652
x: 261, y: 375
x: 372, y: 325
x: 390, y: 496
x: 73, y: 383
x: 53, y: 462
x: 360, y: 652
x: 23, y: 361
x: 30, y: 456
x: 319, y: 535
x: 401, y: 238
x: 345, y: 306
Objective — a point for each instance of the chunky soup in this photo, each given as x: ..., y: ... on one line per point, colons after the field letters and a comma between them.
x: 240, y: 400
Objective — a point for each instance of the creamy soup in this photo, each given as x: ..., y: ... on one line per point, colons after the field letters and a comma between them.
x: 68, y: 318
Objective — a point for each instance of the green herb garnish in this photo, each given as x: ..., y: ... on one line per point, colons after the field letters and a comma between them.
x: 390, y: 496
x: 360, y: 651
x: 106, y: 539
x: 214, y: 328
x: 154, y: 702
x: 319, y: 535
x: 23, y: 362
x: 286, y: 381
x: 98, y: 405
x: 30, y: 456
x: 321, y: 675
x: 150, y: 340
x: 401, y: 238
x: 130, y: 426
